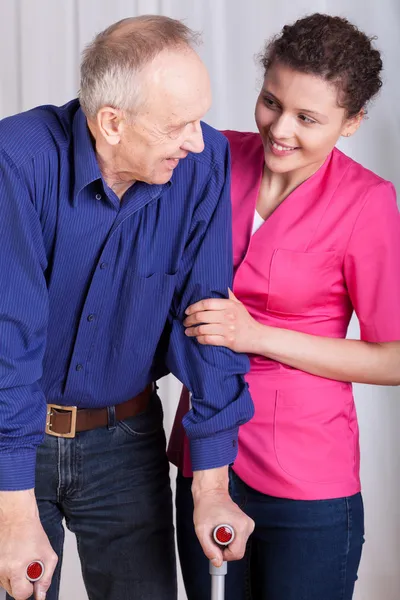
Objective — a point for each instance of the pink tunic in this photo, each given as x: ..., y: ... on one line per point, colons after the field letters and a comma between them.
x: 333, y: 246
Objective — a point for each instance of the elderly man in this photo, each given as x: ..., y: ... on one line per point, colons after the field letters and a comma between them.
x: 115, y: 216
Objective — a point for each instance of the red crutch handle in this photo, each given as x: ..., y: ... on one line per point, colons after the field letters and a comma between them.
x: 35, y: 571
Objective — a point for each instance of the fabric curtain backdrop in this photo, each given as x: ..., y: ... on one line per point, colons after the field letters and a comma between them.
x: 40, y: 43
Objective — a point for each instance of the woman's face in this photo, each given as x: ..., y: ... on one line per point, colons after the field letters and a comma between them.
x: 299, y: 120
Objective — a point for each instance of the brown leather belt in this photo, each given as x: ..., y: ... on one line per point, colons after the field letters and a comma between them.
x: 66, y: 421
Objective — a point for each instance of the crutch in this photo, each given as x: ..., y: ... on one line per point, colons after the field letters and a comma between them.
x: 223, y: 535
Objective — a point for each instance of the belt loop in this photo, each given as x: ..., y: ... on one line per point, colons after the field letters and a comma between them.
x: 112, y: 421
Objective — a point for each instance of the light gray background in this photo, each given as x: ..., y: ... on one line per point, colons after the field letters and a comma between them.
x: 40, y: 42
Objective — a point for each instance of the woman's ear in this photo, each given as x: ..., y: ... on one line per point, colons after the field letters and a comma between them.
x: 352, y: 124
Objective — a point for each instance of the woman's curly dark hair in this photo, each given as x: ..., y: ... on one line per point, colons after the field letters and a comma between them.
x: 334, y: 49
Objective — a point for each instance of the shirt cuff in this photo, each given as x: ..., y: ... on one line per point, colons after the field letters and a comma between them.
x: 216, y: 451
x: 17, y: 470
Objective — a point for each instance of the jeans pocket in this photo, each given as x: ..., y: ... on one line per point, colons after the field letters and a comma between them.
x: 147, y: 422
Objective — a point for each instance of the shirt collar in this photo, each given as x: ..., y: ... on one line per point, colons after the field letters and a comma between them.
x: 85, y: 163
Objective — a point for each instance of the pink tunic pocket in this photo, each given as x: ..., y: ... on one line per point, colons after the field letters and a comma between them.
x: 315, y: 432
x: 300, y: 282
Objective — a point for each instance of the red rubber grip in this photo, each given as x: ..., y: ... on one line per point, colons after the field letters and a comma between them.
x: 35, y: 570
x: 223, y: 534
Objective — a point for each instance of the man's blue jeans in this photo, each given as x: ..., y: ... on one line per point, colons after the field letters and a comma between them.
x: 112, y: 486
x: 300, y: 550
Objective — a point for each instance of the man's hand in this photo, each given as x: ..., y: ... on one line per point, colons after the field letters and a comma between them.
x: 213, y: 506
x: 22, y: 541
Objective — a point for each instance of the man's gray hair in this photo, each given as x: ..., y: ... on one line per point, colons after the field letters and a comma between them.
x: 112, y: 62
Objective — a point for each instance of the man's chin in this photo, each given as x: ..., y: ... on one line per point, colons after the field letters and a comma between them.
x: 161, y: 178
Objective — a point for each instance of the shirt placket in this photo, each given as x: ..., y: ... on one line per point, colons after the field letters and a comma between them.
x: 99, y: 292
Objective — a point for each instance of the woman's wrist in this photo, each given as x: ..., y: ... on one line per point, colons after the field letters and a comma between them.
x: 262, y: 339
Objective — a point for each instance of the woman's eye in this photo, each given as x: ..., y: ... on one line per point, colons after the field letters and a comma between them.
x: 306, y: 119
x: 269, y: 102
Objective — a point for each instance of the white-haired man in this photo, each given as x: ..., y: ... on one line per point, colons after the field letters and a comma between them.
x: 115, y: 216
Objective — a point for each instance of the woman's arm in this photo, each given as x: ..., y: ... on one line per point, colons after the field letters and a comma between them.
x: 340, y: 359
x: 228, y: 323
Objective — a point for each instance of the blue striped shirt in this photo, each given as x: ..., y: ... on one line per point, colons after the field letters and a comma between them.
x: 94, y: 289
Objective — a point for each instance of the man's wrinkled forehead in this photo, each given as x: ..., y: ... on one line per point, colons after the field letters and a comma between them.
x: 177, y: 88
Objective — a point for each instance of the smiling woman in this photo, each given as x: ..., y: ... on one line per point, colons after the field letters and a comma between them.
x: 300, y: 121
x: 313, y: 93
x: 316, y: 237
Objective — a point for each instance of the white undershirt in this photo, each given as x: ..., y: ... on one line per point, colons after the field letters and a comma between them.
x: 258, y: 221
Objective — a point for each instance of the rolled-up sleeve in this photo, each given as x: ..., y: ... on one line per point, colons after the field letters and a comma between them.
x: 23, y: 323
x: 214, y: 375
x: 372, y: 266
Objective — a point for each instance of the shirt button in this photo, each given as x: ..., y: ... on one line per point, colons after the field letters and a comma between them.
x: 234, y: 443
x: 91, y: 317
x: 79, y: 367
x: 98, y: 196
x: 104, y: 265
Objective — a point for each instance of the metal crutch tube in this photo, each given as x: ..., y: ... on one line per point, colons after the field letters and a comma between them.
x: 223, y: 535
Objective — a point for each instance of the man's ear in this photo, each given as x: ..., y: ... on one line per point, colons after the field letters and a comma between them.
x: 110, y: 124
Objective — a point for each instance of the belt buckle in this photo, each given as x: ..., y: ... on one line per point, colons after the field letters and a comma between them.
x: 72, y: 410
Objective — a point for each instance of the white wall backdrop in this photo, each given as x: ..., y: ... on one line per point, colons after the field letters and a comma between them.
x: 40, y: 42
